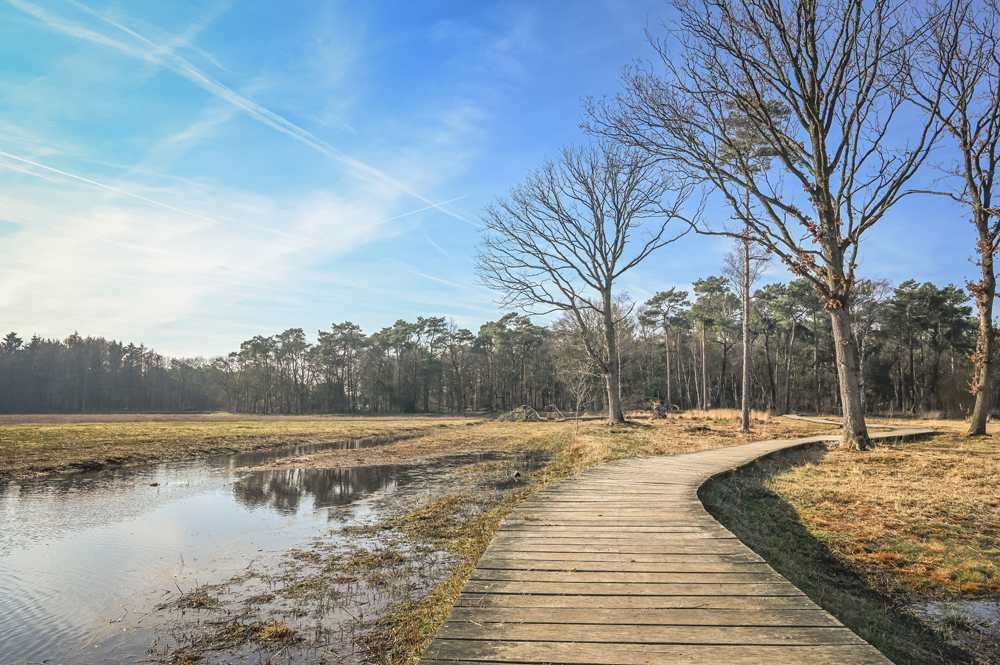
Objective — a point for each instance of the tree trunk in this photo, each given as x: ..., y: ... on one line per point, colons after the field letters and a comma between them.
x: 816, y: 395
x: 613, y: 373
x: 772, y: 371
x: 982, y: 384
x: 862, y: 349
x: 704, y: 365
x: 722, y: 375
x: 745, y: 422
x: 666, y: 344
x: 855, y: 431
x: 788, y: 369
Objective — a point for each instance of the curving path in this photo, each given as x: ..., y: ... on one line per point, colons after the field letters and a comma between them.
x: 623, y: 565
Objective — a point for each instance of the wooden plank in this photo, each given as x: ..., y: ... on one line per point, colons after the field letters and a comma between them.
x: 649, y: 654
x: 705, y: 546
x: 508, y: 564
x: 649, y: 634
x: 607, y: 538
x: 486, y: 600
x: 644, y: 617
x: 650, y: 539
x: 571, y: 509
x: 656, y: 518
x: 621, y: 577
x: 554, y: 528
x: 655, y: 557
x: 620, y: 589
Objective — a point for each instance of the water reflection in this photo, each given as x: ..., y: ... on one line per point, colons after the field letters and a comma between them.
x: 77, y: 552
x: 271, y: 454
x: 285, y: 489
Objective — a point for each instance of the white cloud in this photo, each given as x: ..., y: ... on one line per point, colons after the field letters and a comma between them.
x: 118, y: 266
x: 147, y: 50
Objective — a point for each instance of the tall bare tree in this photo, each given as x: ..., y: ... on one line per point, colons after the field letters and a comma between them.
x: 962, y: 50
x: 569, y: 231
x: 837, y: 66
x: 744, y: 267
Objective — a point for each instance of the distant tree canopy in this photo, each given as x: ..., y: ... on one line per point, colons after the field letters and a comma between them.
x: 915, y: 344
x: 92, y: 374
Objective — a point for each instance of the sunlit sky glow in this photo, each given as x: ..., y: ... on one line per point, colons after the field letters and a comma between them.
x: 191, y: 174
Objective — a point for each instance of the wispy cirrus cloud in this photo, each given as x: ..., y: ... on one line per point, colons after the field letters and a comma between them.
x: 102, y: 185
x: 126, y: 265
x: 145, y: 49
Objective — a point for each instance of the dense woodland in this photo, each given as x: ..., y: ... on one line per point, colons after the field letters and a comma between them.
x: 914, y: 342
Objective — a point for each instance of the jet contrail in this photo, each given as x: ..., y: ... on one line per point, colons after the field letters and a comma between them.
x: 181, y: 66
x: 181, y: 210
x: 113, y: 189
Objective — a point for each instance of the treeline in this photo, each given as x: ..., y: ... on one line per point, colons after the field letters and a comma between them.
x: 92, y: 374
x: 680, y: 348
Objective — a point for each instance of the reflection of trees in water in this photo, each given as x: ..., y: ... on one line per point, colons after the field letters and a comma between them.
x: 263, y: 456
x: 75, y: 485
x: 284, y: 489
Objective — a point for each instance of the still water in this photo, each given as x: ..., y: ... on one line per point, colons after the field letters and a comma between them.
x: 84, y: 559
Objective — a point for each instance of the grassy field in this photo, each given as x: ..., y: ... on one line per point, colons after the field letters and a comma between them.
x: 572, y: 450
x: 921, y: 516
x: 36, y: 445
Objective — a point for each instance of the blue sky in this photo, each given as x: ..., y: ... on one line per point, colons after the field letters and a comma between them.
x: 191, y: 174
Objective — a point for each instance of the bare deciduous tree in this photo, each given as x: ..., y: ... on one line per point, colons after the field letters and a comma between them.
x: 570, y: 230
x: 836, y: 65
x: 962, y: 50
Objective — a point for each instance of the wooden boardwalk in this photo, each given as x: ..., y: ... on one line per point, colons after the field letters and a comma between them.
x: 623, y: 565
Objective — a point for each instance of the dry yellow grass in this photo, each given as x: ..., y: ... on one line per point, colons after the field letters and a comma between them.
x: 65, y: 444
x: 595, y: 443
x: 598, y: 443
x: 33, y: 445
x: 914, y: 516
x: 723, y: 414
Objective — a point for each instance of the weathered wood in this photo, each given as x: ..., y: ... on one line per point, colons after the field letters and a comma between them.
x: 622, y: 565
x: 649, y: 654
x: 552, y: 528
x: 620, y: 589
x: 648, y: 634
x: 637, y: 602
x: 705, y: 546
x: 631, y: 577
x: 656, y: 557
x: 541, y: 537
x: 643, y: 617
x: 580, y: 565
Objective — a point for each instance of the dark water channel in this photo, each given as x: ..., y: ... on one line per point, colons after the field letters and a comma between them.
x: 85, y: 559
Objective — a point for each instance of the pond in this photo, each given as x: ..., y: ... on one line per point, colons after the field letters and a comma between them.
x: 85, y: 560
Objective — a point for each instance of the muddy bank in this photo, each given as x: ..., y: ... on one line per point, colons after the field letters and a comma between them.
x: 364, y: 591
